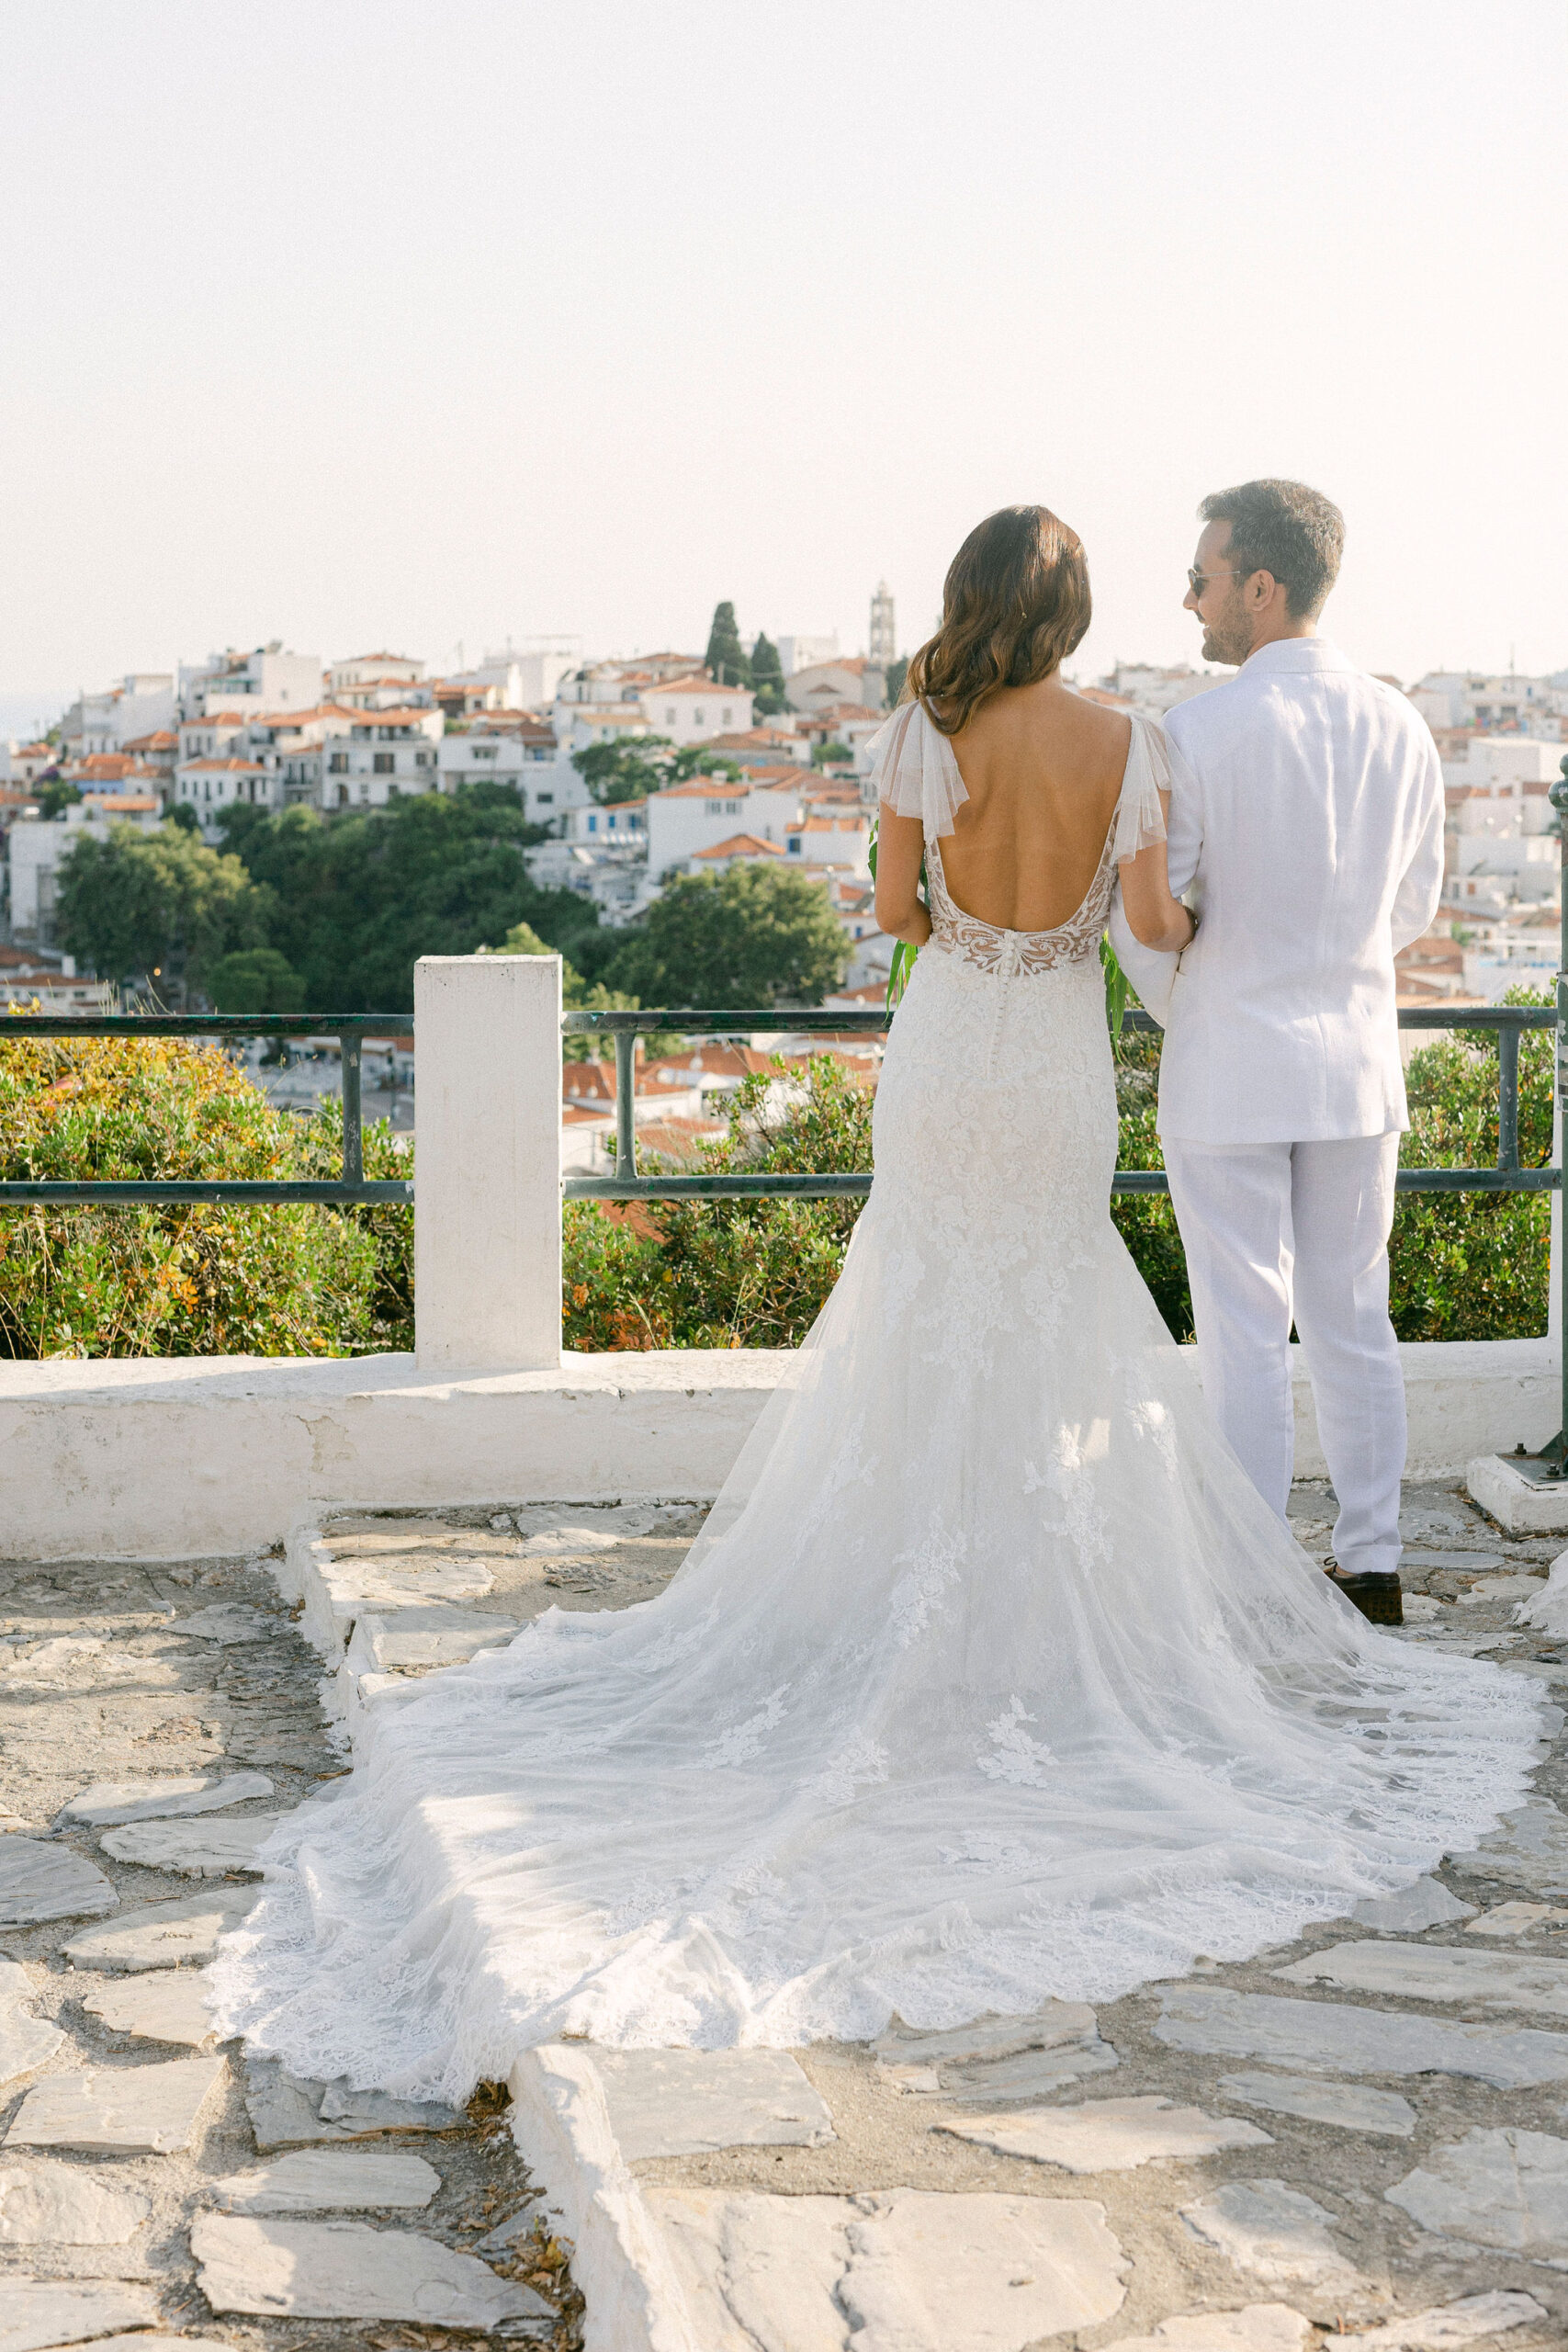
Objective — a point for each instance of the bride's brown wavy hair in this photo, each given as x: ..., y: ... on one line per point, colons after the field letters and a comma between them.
x: 1014, y: 605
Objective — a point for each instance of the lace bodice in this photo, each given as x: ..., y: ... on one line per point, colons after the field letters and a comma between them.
x: 1008, y: 952
x: 918, y: 775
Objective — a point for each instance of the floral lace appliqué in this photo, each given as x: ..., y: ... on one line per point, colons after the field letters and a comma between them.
x: 1019, y: 1760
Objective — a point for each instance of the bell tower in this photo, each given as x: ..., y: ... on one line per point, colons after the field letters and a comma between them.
x: 882, y: 646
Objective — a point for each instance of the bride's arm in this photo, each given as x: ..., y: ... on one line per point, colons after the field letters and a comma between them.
x: 1154, y: 918
x: 900, y: 846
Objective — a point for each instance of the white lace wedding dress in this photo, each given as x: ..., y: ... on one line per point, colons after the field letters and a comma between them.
x: 991, y: 1677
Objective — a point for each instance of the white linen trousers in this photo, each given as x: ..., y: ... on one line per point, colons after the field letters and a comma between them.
x: 1282, y: 1231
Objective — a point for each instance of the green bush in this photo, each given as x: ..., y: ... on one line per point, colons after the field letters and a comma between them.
x: 316, y: 1280
x: 204, y: 1280
x: 756, y: 1272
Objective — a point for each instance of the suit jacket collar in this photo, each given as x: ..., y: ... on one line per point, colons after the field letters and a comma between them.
x: 1295, y: 655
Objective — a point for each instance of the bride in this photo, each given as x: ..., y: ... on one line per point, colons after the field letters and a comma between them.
x: 991, y: 1677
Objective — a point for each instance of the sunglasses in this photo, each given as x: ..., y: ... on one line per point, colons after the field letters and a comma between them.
x: 1198, y: 581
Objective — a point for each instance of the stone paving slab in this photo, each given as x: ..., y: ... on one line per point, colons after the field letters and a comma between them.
x: 1349, y: 2107
x: 348, y: 2270
x: 165, y: 2004
x: 109, y: 1803
x: 141, y: 2343
x: 1353, y: 2040
x: 117, y: 2110
x: 26, y: 2044
x: 206, y: 1849
x: 1273, y: 2232
x: 163, y: 1935
x: 910, y: 2271
x: 678, y: 2102
x: 1108, y: 2134
x: 314, y: 2180
x: 43, y: 1881
x: 1425, y: 1903
x: 1469, y: 2319
x: 35, y: 2313
x: 45, y: 2204
x: 1488, y: 1980
x: 1501, y: 2188
x: 293, y: 2111
x: 1529, y: 1850
x: 998, y: 2058
x: 1258, y: 2328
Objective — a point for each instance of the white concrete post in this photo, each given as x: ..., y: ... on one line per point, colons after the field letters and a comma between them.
x: 487, y: 1224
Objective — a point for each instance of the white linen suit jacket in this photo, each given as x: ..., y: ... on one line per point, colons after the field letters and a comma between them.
x: 1308, y: 828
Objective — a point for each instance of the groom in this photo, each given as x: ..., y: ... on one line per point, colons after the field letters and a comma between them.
x: 1309, y: 832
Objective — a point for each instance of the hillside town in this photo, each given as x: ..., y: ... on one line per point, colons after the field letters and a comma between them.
x: 761, y: 762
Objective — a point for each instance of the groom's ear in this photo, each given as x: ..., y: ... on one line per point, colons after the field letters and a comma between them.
x: 1258, y: 590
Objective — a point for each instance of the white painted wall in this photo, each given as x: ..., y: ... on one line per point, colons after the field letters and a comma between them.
x: 145, y: 1459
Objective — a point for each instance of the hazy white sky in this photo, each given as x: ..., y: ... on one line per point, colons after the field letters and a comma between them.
x: 400, y: 322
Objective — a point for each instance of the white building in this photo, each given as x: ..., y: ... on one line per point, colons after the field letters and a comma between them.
x: 1154, y: 690
x: 36, y: 846
x: 1504, y: 704
x: 212, y: 786
x: 367, y: 678
x: 693, y: 709
x: 24, y: 763
x: 841, y: 838
x: 142, y: 703
x: 851, y: 679
x: 381, y: 752
x: 548, y: 788
x: 267, y: 679
x: 1506, y: 779
x: 686, y: 819
x: 805, y: 652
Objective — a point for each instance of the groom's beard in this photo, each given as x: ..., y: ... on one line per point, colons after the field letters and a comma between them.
x: 1228, y: 642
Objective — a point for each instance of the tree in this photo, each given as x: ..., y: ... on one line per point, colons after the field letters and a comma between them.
x: 725, y: 656
x: 627, y: 771
x: 255, y: 979
x: 356, y: 898
x: 55, y: 796
x: 767, y: 679
x: 141, y: 902
x: 894, y: 677
x: 697, y: 760
x: 182, y: 814
x: 832, y: 755
x: 760, y: 934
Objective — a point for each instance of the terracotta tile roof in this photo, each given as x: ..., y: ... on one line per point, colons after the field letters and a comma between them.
x: 692, y: 685
x: 161, y: 741
x: 742, y: 845
x: 705, y: 788
x: 245, y: 767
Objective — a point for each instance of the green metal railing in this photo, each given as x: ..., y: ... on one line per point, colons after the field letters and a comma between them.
x: 1507, y: 1021
x: 349, y: 1029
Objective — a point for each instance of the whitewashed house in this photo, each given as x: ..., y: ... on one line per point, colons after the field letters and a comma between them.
x: 693, y: 709
x: 36, y: 845
x: 267, y: 679
x: 141, y: 704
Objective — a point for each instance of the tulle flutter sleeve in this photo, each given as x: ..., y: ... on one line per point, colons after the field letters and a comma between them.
x: 1151, y: 761
x: 913, y: 766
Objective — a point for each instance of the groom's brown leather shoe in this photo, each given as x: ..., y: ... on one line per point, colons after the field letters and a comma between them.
x: 1378, y: 1597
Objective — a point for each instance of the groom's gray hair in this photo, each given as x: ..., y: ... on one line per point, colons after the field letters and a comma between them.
x: 1286, y: 528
